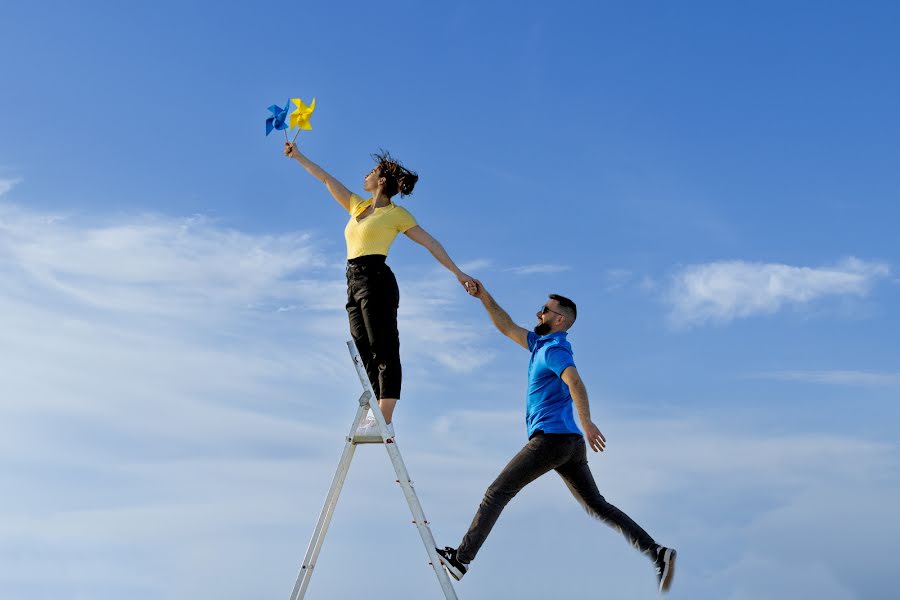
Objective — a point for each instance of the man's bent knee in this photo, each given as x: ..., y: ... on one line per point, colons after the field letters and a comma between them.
x: 498, y: 495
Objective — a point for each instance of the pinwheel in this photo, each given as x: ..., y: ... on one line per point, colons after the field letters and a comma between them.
x: 300, y: 116
x: 277, y: 120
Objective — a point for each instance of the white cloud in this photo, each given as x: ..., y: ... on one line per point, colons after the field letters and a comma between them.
x: 617, y: 278
x: 759, y: 576
x: 8, y: 184
x: 727, y: 290
x: 648, y: 284
x: 461, y: 423
x: 473, y: 266
x: 190, y: 263
x: 838, y: 377
x: 539, y: 268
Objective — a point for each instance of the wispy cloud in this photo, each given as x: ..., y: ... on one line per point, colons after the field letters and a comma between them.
x: 170, y: 377
x: 8, y: 184
x: 200, y: 295
x: 849, y: 378
x: 429, y: 313
x: 192, y: 263
x: 473, y: 266
x: 159, y: 295
x: 538, y: 268
x: 727, y: 290
x: 617, y: 278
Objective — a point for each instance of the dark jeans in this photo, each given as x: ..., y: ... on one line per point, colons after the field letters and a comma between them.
x: 565, y: 453
x: 372, y: 301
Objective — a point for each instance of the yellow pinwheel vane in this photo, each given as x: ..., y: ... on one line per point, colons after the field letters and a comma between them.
x: 300, y: 117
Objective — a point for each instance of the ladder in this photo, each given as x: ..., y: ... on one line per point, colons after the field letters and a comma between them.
x: 352, y: 440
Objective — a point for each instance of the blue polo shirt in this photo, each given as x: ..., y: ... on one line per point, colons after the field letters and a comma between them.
x: 549, y: 403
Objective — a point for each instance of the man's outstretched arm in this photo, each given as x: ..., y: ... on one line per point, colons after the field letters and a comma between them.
x: 501, y: 319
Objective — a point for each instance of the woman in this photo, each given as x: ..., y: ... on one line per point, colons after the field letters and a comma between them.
x: 372, y: 293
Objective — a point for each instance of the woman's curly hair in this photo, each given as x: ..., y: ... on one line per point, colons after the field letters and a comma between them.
x: 397, y: 178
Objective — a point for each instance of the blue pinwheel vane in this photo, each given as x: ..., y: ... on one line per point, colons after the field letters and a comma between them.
x: 278, y: 120
x: 299, y: 118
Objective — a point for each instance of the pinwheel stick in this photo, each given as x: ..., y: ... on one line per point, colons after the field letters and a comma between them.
x: 295, y: 136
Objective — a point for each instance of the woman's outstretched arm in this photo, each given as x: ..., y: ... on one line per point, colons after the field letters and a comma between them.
x: 337, y: 189
x: 419, y: 235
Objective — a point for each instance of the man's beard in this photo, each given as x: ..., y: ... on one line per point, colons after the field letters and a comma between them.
x: 542, y: 329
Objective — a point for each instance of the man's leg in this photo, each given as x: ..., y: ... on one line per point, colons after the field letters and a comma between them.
x: 541, y: 454
x: 580, y: 482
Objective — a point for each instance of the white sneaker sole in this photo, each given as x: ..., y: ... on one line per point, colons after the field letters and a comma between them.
x: 453, y: 571
x: 668, y: 571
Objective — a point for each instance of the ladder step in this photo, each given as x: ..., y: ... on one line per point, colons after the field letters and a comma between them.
x: 369, y: 439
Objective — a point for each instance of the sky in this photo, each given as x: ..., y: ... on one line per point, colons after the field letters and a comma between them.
x: 715, y: 184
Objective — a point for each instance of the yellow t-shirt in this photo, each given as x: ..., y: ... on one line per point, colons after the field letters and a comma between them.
x: 375, y: 233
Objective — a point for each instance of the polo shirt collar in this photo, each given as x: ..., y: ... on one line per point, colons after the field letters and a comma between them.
x: 557, y: 334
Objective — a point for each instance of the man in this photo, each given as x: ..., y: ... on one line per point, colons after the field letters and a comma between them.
x: 554, y: 440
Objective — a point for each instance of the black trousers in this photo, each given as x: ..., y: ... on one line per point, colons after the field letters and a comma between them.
x: 566, y: 454
x: 372, y: 301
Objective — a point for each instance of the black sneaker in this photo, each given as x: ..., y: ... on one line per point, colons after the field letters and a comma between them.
x: 453, y: 566
x: 665, y: 567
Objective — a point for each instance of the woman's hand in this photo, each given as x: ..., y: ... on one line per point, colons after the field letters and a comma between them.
x: 469, y: 283
x: 290, y: 150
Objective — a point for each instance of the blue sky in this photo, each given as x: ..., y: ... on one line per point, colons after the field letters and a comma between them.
x: 715, y: 185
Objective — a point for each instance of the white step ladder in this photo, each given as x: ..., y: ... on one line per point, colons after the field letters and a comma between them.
x: 315, y: 544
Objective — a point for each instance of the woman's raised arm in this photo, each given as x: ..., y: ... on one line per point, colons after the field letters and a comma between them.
x: 335, y: 187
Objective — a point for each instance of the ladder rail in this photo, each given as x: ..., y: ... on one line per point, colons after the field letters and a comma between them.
x: 337, y: 484
x: 421, y: 522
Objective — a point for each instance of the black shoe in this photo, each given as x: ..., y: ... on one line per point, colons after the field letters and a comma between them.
x: 453, y: 566
x: 665, y: 567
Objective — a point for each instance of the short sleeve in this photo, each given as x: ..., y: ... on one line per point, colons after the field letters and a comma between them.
x: 559, y: 359
x: 355, y: 203
x: 405, y: 220
x: 532, y: 340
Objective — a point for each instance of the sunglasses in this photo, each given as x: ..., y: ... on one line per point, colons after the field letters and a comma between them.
x: 544, y: 310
